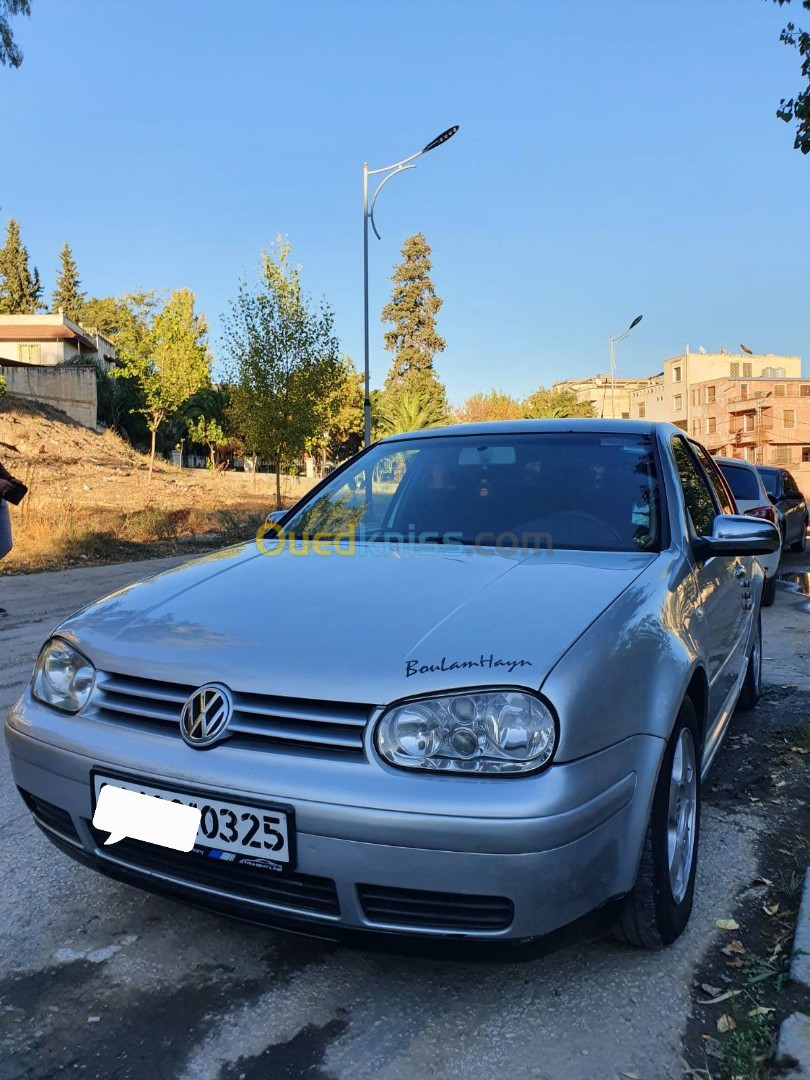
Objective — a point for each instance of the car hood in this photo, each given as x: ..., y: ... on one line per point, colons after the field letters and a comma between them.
x: 369, y: 627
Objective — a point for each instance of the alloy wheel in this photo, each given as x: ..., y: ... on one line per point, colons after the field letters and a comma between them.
x: 681, y: 816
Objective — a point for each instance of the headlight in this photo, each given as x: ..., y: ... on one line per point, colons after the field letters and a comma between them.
x: 493, y: 732
x: 63, y: 677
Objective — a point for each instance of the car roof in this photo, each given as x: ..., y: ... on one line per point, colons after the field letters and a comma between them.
x: 736, y: 461
x: 520, y: 427
x: 770, y: 468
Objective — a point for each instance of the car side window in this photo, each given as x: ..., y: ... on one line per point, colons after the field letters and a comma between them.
x: 715, y: 479
x: 790, y: 485
x: 696, y: 491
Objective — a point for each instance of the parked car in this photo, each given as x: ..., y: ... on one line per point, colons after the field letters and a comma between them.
x: 474, y: 699
x: 751, y: 498
x: 784, y: 493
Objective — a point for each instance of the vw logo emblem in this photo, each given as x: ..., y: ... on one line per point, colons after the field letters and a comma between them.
x: 206, y: 715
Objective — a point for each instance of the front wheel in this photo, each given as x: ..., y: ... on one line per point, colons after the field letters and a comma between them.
x: 657, y: 910
x: 801, y: 543
x: 769, y: 591
x: 752, y: 687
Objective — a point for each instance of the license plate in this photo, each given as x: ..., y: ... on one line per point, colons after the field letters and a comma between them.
x: 259, y: 832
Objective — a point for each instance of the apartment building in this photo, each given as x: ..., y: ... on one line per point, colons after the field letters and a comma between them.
x: 610, y: 399
x: 668, y: 396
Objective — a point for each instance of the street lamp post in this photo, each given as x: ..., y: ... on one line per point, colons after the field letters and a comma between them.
x: 368, y: 216
x: 614, y: 341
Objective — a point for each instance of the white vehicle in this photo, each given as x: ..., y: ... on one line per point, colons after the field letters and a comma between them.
x: 752, y: 499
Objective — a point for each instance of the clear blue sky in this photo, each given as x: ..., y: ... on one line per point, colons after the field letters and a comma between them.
x: 613, y: 159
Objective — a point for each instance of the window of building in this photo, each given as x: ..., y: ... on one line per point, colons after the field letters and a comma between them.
x: 779, y: 390
x: 749, y: 421
x: 805, y: 390
x: 781, y: 455
x: 29, y: 354
x: 676, y: 373
x: 806, y: 453
x: 677, y: 402
x: 734, y: 370
x: 744, y: 391
x: 789, y: 417
x: 642, y: 410
x: 711, y: 425
x: 750, y: 454
x: 710, y: 394
x: 748, y: 371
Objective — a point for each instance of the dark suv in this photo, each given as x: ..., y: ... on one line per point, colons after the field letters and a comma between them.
x: 783, y: 491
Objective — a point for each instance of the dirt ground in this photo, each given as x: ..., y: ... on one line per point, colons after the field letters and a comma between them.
x: 91, y: 499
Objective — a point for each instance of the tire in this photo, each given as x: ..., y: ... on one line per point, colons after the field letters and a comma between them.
x: 657, y: 909
x: 801, y: 543
x: 769, y: 591
x: 752, y: 687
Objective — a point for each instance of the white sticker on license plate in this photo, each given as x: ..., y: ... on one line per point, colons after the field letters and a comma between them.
x: 257, y: 831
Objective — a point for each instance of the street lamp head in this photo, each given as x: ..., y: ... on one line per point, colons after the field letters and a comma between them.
x: 445, y: 135
x: 635, y: 322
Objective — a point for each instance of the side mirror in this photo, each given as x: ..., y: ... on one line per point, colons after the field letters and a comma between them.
x: 734, y: 534
x: 274, y: 516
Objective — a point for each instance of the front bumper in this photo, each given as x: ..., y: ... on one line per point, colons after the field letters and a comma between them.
x: 548, y: 850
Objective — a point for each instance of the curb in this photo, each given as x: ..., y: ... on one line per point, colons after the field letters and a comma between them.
x: 800, y: 958
x: 794, y: 1033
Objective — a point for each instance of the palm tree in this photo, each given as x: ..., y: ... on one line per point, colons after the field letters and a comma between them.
x: 407, y: 410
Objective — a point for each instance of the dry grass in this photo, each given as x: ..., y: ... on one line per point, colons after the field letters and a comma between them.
x: 91, y: 500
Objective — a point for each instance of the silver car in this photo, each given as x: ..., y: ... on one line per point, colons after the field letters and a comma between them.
x: 466, y: 688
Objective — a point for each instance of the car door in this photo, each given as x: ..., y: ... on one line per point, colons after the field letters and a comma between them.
x: 723, y: 582
x: 794, y: 508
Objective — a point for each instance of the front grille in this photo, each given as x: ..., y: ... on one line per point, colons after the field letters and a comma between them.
x: 259, y: 721
x: 52, y: 817
x: 435, y: 910
x: 298, y: 892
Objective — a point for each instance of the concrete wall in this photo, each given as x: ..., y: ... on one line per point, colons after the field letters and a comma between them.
x: 73, y: 390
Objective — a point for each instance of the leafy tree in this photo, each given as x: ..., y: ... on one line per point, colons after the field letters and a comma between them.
x: 165, y: 351
x: 408, y: 409
x: 412, y: 311
x: 208, y: 432
x: 10, y: 53
x: 282, y: 359
x: 20, y: 288
x: 341, y: 432
x: 491, y: 406
x: 67, y: 296
x: 798, y: 107
x: 555, y: 404
x: 108, y: 315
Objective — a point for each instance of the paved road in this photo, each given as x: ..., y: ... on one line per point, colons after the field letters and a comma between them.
x: 100, y: 980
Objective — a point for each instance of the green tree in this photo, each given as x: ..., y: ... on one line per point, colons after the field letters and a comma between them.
x: 798, y: 107
x: 20, y: 288
x: 10, y: 53
x: 109, y: 315
x: 408, y: 409
x: 341, y: 422
x: 555, y: 404
x: 412, y: 312
x: 282, y: 359
x: 164, y: 349
x: 490, y: 406
x: 67, y: 296
x: 208, y: 432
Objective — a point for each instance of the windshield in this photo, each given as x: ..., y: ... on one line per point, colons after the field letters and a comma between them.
x: 586, y: 491
x: 770, y: 478
x: 742, y: 481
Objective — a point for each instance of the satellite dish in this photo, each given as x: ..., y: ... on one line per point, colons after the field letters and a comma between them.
x: 745, y: 349
x: 702, y: 350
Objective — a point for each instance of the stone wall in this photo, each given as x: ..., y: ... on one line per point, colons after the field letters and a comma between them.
x: 71, y: 389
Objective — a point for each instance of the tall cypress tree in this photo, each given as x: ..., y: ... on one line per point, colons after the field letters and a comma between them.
x: 20, y: 288
x: 66, y: 296
x: 412, y: 310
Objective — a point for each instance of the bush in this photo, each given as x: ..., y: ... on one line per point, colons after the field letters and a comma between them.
x: 2, y: 387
